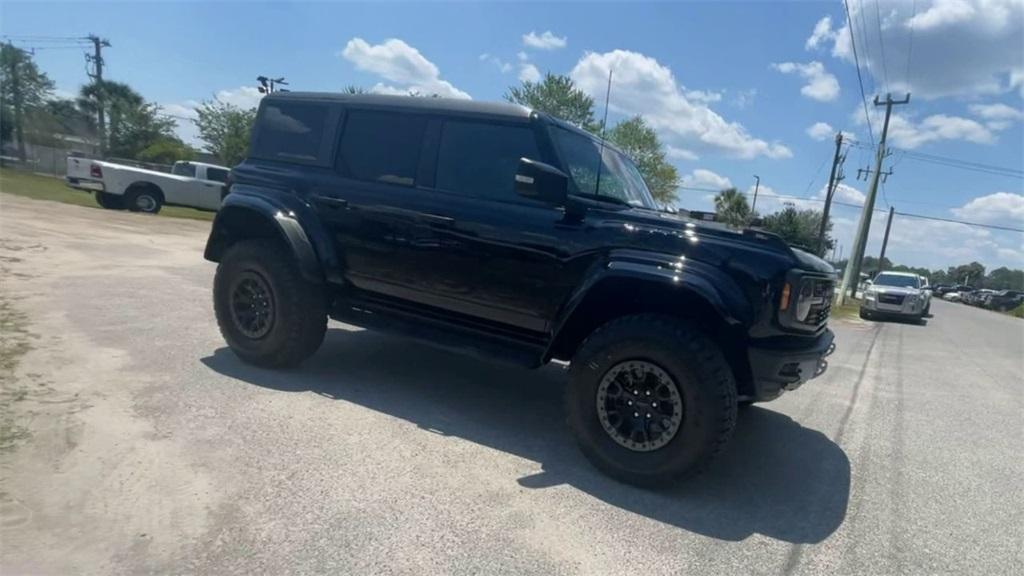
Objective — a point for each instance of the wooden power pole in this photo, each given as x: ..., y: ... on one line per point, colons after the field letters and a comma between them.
x: 98, y: 44
x: 851, y: 277
x: 833, y: 182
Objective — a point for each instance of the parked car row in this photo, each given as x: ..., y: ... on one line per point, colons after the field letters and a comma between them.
x: 123, y: 187
x: 1001, y: 300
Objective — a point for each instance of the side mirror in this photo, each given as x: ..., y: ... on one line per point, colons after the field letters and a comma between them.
x: 540, y: 181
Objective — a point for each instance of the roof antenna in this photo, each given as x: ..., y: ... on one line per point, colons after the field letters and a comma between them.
x: 604, y: 130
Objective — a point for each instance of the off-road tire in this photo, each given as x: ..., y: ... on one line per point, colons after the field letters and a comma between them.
x: 110, y: 201
x: 864, y: 314
x: 701, y: 374
x: 142, y: 198
x: 299, y: 312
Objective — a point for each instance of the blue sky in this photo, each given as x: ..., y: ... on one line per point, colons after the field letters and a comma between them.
x: 733, y: 88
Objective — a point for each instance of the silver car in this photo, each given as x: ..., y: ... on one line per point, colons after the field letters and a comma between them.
x: 896, y: 294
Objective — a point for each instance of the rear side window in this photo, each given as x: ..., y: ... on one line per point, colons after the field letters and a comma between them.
x: 290, y: 131
x: 184, y: 169
x: 382, y: 146
x: 480, y: 160
x: 218, y: 174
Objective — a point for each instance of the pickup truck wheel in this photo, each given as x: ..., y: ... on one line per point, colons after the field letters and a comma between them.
x: 651, y: 400
x: 110, y: 201
x: 146, y: 199
x: 268, y: 313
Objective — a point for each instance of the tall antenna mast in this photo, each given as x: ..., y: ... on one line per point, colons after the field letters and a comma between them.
x: 604, y: 130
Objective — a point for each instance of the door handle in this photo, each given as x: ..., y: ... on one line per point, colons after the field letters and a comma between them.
x: 331, y: 202
x: 436, y: 219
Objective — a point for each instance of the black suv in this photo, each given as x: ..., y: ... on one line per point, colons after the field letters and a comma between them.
x: 497, y: 230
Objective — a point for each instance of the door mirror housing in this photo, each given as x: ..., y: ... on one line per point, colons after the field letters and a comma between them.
x: 540, y: 181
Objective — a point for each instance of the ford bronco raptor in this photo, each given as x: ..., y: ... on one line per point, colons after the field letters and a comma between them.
x: 497, y: 230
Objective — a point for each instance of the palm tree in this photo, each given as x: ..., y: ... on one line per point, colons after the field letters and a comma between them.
x: 732, y: 208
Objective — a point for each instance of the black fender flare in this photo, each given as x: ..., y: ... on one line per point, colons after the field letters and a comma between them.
x: 290, y: 218
x: 709, y: 283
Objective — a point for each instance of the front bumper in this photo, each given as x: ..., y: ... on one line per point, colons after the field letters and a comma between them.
x: 785, y: 364
x: 909, y: 307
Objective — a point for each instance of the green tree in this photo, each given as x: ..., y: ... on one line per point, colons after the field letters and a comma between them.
x: 23, y: 89
x: 1003, y: 278
x: 640, y: 142
x: 558, y: 96
x: 132, y: 124
x: 732, y: 208
x: 225, y: 128
x: 798, y: 227
x: 166, y: 151
x: 972, y: 274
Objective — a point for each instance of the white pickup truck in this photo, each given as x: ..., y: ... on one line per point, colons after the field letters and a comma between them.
x: 118, y: 186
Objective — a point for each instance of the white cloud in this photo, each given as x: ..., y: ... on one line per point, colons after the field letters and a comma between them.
x: 996, y: 112
x: 820, y: 131
x: 821, y: 85
x: 644, y: 86
x: 244, y: 96
x: 960, y: 48
x: 398, y: 62
x: 942, y: 13
x: 905, y: 131
x: 744, y: 98
x: 503, y: 66
x: 999, y: 207
x: 676, y: 153
x: 822, y: 33
x: 703, y: 178
x: 545, y: 41
x: 528, y: 73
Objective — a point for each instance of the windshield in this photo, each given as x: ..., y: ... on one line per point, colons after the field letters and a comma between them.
x: 620, y: 178
x: 895, y: 280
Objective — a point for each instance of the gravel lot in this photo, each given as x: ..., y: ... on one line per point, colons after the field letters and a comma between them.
x: 135, y: 442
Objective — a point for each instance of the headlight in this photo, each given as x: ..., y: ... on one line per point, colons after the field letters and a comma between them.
x: 804, y: 301
x: 869, y: 295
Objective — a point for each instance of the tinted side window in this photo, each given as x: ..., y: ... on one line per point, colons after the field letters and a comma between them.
x: 382, y: 146
x: 218, y: 174
x: 479, y: 159
x: 184, y: 170
x: 290, y: 131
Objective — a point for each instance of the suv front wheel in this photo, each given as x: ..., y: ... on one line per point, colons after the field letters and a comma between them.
x: 267, y: 312
x: 651, y: 400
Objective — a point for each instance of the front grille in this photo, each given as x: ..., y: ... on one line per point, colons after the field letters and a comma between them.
x: 896, y: 299
x: 822, y: 291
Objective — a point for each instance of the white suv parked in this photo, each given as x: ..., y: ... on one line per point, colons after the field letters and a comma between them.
x: 896, y: 294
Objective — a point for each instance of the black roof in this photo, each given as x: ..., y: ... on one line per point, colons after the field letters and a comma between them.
x: 453, y: 105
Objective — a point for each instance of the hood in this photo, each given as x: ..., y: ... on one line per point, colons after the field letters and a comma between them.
x: 755, y: 239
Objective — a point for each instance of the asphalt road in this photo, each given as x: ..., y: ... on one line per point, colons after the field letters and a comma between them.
x: 142, y: 445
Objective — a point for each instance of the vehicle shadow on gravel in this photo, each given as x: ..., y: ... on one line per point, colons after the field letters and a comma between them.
x: 777, y: 478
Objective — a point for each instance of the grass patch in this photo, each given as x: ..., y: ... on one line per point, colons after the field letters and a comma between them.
x: 1017, y: 312
x: 42, y: 187
x: 851, y: 309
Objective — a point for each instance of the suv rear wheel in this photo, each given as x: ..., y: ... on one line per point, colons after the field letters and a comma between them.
x: 651, y: 400
x: 267, y: 312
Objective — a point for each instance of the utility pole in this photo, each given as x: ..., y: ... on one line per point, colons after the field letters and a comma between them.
x: 98, y: 44
x: 852, y: 276
x: 269, y: 85
x: 14, y: 63
x: 757, y: 184
x: 833, y: 183
x: 885, y: 240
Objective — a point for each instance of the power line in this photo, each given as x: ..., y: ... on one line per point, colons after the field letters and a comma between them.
x: 964, y: 222
x: 866, y: 45
x: 881, y: 43
x: 860, y: 80
x: 954, y: 162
